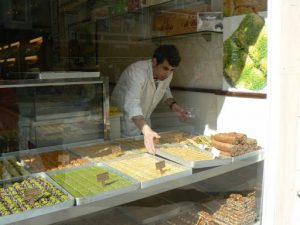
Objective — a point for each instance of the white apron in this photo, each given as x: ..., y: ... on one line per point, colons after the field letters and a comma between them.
x: 136, y: 94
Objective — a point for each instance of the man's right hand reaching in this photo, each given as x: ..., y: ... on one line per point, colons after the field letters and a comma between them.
x: 149, y: 136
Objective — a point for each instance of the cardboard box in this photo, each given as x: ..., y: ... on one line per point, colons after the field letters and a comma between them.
x: 175, y: 22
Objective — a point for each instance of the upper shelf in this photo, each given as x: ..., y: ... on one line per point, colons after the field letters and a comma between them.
x: 204, y: 34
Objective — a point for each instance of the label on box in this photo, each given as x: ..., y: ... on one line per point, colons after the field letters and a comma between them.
x: 215, y: 152
x: 64, y: 158
x: 102, y: 178
x: 160, y: 166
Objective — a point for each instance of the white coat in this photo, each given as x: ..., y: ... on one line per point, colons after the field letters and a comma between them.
x: 136, y: 94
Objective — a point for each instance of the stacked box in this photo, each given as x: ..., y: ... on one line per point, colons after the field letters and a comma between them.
x: 173, y: 22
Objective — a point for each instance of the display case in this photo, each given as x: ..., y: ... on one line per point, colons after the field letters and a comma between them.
x: 62, y: 125
x: 49, y: 109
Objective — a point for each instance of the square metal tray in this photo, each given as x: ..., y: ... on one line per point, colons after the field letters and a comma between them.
x: 74, y: 150
x: 145, y: 184
x: 37, y: 151
x: 189, y: 163
x: 37, y: 211
x: 105, y: 194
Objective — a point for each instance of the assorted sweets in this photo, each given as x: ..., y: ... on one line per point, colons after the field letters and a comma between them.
x: 142, y: 167
x: 11, y: 167
x: 187, y: 153
x: 174, y: 137
x: 83, y: 181
x: 131, y: 143
x: 234, y: 144
x: 54, y: 160
x: 238, y: 209
x: 200, y: 141
x: 101, y: 152
x: 13, y: 197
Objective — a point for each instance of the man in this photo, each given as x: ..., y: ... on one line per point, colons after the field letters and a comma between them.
x: 141, y: 87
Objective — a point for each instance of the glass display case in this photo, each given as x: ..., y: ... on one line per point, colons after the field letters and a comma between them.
x: 48, y: 111
x: 57, y: 166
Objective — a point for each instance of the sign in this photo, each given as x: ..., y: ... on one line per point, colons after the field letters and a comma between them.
x: 64, y: 158
x: 32, y: 194
x: 102, y: 178
x: 160, y: 166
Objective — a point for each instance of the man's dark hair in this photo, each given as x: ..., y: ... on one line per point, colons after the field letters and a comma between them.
x: 168, y: 52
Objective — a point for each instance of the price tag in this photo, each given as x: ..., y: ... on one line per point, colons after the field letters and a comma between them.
x: 32, y: 194
x: 160, y: 166
x: 102, y: 178
x: 116, y: 150
x: 215, y: 152
x: 64, y: 158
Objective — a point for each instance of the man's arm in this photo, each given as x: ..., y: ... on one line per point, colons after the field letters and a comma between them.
x: 149, y: 134
x: 180, y: 111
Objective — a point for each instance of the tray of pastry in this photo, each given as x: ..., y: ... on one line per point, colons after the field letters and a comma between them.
x: 31, y: 196
x: 50, y: 160
x: 174, y: 137
x: 11, y: 166
x: 133, y: 143
x: 94, y: 182
x: 191, y: 156
x: 148, y: 169
x: 99, y: 152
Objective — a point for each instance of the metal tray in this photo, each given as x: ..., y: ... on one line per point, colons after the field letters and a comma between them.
x: 104, y: 194
x: 38, y: 211
x: 88, y: 145
x: 163, y: 179
x: 248, y: 155
x: 33, y: 152
x: 193, y: 164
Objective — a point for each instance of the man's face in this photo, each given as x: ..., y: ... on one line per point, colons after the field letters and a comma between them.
x: 162, y: 71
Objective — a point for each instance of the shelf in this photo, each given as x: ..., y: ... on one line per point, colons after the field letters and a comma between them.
x: 11, y: 60
x: 15, y: 44
x: 85, y: 209
x: 196, y: 33
x: 38, y: 40
x: 172, y: 4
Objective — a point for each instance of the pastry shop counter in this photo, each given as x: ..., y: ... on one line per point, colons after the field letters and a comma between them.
x: 142, y: 193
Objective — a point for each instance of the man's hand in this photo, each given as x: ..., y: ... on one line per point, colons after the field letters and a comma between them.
x: 181, y: 112
x: 149, y: 136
